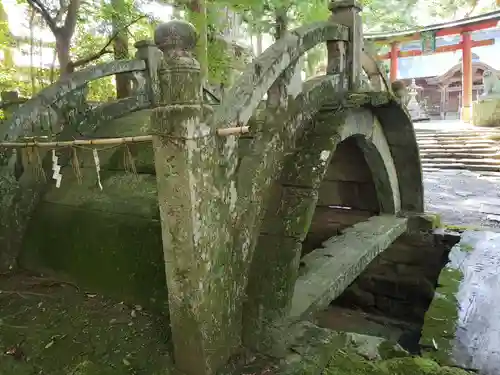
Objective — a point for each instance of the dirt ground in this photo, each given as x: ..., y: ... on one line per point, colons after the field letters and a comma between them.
x: 52, y: 328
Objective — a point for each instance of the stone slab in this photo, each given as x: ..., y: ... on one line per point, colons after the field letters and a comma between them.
x: 330, y: 270
x: 461, y: 326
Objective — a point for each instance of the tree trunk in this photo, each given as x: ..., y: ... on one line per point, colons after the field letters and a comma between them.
x: 32, y: 52
x: 176, y: 13
x: 63, y: 34
x: 120, y: 48
x: 198, y: 17
x: 281, y: 23
x: 6, y: 38
x: 63, y: 55
x: 259, y: 43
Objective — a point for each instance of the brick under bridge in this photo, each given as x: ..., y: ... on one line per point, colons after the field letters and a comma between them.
x: 247, y: 233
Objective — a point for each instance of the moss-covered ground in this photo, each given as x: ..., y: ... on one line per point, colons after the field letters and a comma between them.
x: 51, y: 327
x: 348, y: 363
x: 48, y: 327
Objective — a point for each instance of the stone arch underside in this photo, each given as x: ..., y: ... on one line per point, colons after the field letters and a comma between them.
x: 294, y: 197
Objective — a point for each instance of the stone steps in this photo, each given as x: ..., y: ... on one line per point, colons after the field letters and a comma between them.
x: 475, y: 142
x: 485, y: 161
x: 459, y: 148
x: 457, y: 155
x: 463, y: 135
x: 467, y: 149
x: 470, y: 167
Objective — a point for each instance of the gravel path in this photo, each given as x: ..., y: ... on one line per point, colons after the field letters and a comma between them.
x: 464, y: 197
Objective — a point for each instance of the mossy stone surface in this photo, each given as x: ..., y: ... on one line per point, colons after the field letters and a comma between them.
x: 116, y: 254
x: 440, y: 321
x: 122, y: 193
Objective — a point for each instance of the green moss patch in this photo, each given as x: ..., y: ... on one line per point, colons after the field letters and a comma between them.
x: 48, y: 328
x: 345, y: 362
x: 438, y: 332
x: 117, y: 255
x: 472, y: 228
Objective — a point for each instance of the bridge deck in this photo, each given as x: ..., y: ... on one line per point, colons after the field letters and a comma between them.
x: 331, y: 269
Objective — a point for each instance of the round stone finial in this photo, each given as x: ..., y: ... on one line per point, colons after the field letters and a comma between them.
x: 176, y: 35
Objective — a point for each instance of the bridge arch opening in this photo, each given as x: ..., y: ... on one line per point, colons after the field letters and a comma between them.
x: 347, y: 194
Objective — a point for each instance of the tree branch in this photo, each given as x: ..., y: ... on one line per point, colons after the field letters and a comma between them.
x: 42, y: 11
x: 104, y: 50
x: 88, y: 59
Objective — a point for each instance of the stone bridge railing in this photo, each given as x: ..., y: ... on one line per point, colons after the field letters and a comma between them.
x: 44, y: 114
x: 213, y: 202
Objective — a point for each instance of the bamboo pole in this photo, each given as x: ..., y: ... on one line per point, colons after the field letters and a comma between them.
x: 79, y: 142
x: 223, y: 132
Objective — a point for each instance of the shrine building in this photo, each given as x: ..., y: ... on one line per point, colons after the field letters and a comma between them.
x: 449, y: 81
x: 441, y: 94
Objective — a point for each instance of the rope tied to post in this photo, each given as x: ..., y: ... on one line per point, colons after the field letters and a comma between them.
x: 221, y: 132
x: 30, y: 151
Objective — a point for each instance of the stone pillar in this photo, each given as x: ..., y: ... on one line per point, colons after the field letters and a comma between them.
x: 442, y: 108
x: 394, y: 61
x: 295, y: 86
x: 147, y: 51
x: 466, y: 110
x: 346, y: 12
x: 194, y: 211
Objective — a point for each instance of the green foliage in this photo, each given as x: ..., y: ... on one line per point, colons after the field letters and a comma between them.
x: 97, y: 22
x: 219, y: 62
x: 101, y: 90
x: 385, y: 15
x: 447, y: 9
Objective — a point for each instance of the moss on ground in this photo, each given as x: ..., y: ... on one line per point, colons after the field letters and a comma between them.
x: 472, y: 228
x: 344, y: 362
x: 52, y: 328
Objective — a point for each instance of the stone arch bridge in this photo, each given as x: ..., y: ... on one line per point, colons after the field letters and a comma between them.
x: 243, y: 234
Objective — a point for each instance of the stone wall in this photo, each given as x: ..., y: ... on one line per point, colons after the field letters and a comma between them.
x: 400, y: 282
x: 108, y: 240
x: 346, y: 196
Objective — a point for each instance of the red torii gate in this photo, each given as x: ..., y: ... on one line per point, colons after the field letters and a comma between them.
x: 428, y: 37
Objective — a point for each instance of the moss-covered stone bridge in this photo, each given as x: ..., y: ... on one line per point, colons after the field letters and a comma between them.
x: 244, y: 235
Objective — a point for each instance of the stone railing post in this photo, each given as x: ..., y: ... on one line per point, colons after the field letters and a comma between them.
x: 194, y: 209
x: 347, y: 12
x: 147, y: 51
